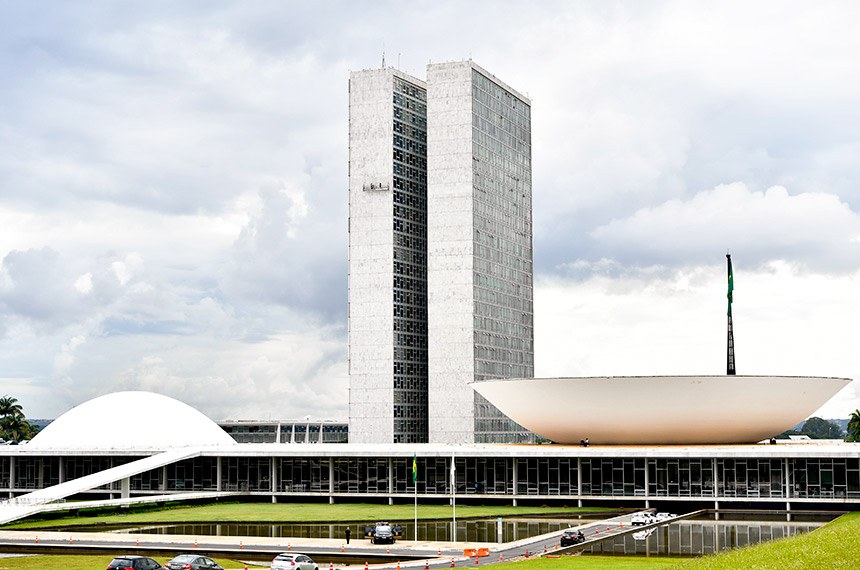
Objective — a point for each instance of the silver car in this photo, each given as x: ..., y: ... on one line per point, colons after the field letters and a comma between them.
x: 192, y: 562
x: 293, y: 561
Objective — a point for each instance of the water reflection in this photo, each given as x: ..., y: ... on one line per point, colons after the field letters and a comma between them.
x: 698, y: 537
x: 473, y: 530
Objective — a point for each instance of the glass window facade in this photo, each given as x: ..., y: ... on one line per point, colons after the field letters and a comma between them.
x: 503, y: 283
x: 410, y: 262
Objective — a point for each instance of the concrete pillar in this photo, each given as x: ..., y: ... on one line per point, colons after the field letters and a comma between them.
x: 125, y: 487
x: 274, y: 478
x: 218, y: 473
x: 716, y: 508
x: 11, y: 475
x: 61, y: 464
x: 788, y: 511
x: 788, y: 490
x: 162, y: 480
x: 330, y: 478
x: 516, y: 479
x: 648, y: 486
x: 390, y: 480
x: 278, y: 432
x: 579, y: 481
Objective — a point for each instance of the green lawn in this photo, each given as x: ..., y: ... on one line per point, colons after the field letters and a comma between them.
x: 592, y: 563
x: 286, y: 513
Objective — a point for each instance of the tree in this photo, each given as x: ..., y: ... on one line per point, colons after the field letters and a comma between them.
x: 817, y: 428
x: 9, y: 406
x: 854, y: 426
x: 15, y: 427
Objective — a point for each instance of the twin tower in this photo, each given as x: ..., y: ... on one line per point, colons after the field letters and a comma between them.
x: 440, y: 253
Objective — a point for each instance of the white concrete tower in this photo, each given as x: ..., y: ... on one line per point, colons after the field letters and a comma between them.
x: 480, y: 265
x: 387, y: 258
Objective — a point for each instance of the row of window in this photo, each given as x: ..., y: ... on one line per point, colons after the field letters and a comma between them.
x: 410, y: 270
x: 410, y: 103
x: 523, y: 303
x: 410, y: 89
x: 681, y: 477
x: 489, y: 92
x: 410, y: 213
x: 410, y: 145
x: 410, y: 131
x: 409, y: 158
x: 403, y: 283
x: 416, y: 174
x: 411, y: 326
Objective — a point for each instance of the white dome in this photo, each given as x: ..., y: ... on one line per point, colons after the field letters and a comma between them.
x: 130, y: 420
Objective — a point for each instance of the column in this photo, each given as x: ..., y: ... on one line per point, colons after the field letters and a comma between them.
x: 61, y: 464
x: 11, y: 475
x: 648, y: 486
x: 274, y: 475
x: 390, y: 481
x: 579, y: 481
x: 330, y: 478
x: 218, y: 473
x: 787, y: 493
x: 516, y: 480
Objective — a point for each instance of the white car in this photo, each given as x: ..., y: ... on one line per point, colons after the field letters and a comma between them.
x: 665, y: 516
x: 293, y: 561
x: 640, y: 519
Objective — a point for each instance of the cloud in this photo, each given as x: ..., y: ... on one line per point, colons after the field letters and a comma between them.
x: 816, y: 230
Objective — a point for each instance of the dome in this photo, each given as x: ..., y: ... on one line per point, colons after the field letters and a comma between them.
x: 660, y: 409
x: 131, y: 420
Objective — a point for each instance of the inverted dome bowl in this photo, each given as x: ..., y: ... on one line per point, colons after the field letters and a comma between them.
x: 660, y: 409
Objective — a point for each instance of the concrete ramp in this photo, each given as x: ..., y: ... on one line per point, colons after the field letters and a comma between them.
x: 39, y: 501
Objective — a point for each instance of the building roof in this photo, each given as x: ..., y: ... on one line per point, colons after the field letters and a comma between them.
x: 130, y: 420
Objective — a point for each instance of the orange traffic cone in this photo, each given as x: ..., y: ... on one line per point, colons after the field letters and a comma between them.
x: 476, y: 560
x: 388, y: 550
x: 527, y: 553
x: 452, y: 563
x: 331, y: 566
x: 70, y: 540
x: 37, y: 540
x: 365, y: 566
x: 501, y: 557
x: 426, y: 565
x: 195, y: 543
x: 342, y: 548
x: 289, y: 547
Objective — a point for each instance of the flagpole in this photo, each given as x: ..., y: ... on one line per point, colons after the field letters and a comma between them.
x: 454, y: 497
x: 730, y: 345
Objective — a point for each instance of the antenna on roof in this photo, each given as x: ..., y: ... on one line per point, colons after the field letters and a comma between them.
x: 383, y: 55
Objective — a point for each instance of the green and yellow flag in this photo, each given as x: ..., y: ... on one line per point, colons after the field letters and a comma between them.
x: 414, y: 468
x: 731, y: 285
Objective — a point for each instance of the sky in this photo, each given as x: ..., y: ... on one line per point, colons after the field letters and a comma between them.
x: 173, y: 189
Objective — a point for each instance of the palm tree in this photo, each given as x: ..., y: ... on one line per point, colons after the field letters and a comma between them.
x: 15, y: 428
x: 9, y: 406
x: 854, y: 426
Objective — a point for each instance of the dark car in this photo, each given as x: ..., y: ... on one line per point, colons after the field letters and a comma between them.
x: 571, y: 537
x: 382, y: 534
x: 192, y: 562
x: 134, y: 563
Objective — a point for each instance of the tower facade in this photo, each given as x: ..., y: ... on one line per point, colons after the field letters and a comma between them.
x: 387, y: 258
x: 480, y: 264
x: 440, y: 262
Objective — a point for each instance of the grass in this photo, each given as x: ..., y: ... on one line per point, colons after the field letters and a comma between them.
x: 284, y: 513
x: 84, y: 562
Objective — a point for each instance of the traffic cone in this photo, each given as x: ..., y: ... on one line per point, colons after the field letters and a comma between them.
x: 452, y: 563
x: 342, y: 549
x: 137, y: 542
x: 426, y: 565
x: 37, y: 540
x: 246, y: 567
x: 241, y: 545
x: 527, y: 552
x: 331, y: 566
x: 476, y: 560
x: 608, y: 529
x: 289, y: 547
x: 70, y: 540
x: 544, y: 548
x: 439, y: 552
x: 365, y: 566
x: 195, y: 543
x: 620, y: 524
x: 501, y: 557
x: 388, y: 550
x: 398, y: 565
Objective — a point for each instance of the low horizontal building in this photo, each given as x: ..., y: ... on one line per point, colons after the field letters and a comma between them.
x: 72, y: 459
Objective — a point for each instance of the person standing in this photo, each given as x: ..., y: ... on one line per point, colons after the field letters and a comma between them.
x: 348, y: 533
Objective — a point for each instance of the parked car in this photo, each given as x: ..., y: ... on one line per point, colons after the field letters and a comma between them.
x: 293, y: 561
x: 643, y: 518
x: 382, y: 534
x: 665, y: 516
x: 192, y: 562
x: 134, y: 562
x: 571, y: 537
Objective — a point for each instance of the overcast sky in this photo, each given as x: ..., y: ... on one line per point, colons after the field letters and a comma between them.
x: 173, y: 189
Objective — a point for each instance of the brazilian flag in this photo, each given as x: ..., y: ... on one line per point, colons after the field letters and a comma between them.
x: 731, y: 285
x: 414, y: 468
